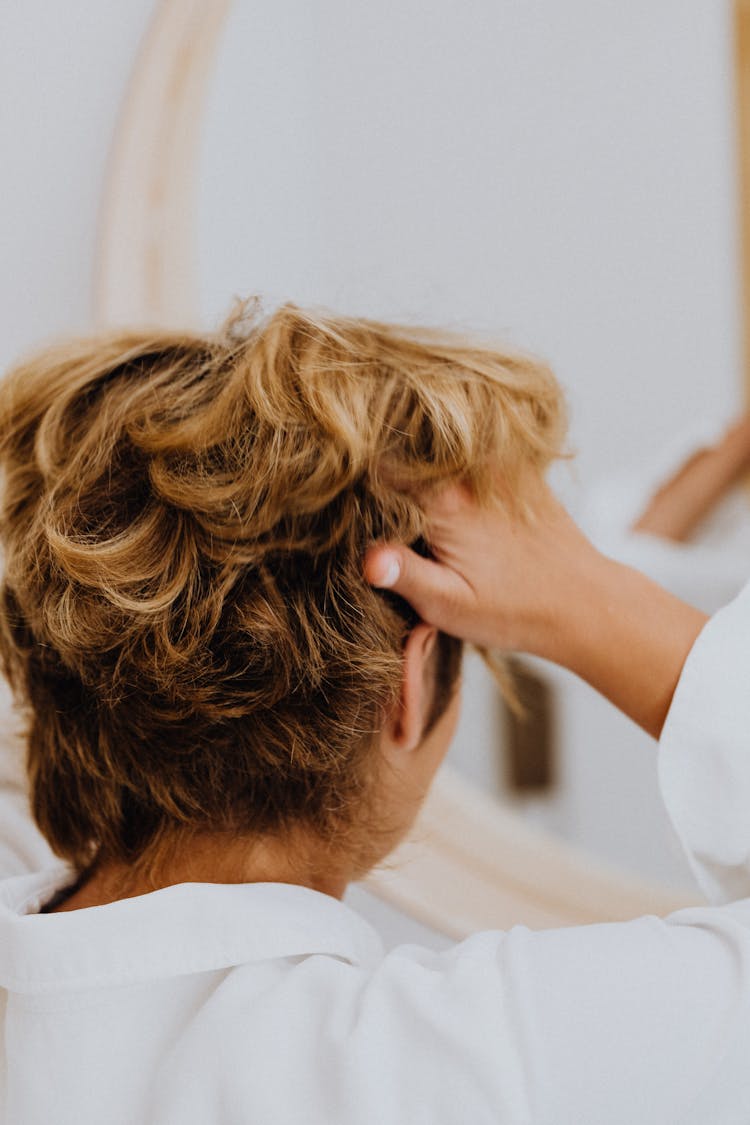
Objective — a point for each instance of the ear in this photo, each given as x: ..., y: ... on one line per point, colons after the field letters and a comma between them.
x: 409, y: 717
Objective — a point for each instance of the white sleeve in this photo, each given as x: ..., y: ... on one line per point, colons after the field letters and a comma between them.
x: 704, y: 754
x: 644, y: 1022
x: 649, y: 1021
x: 23, y: 849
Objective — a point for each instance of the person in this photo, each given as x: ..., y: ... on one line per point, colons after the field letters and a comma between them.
x: 236, y: 569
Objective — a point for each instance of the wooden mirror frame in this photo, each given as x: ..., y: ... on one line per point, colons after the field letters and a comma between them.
x: 470, y: 864
x: 742, y: 103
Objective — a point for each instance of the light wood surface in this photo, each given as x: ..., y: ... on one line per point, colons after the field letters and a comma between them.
x: 470, y: 863
x: 145, y: 269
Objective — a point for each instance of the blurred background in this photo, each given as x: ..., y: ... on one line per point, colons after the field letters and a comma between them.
x: 561, y: 173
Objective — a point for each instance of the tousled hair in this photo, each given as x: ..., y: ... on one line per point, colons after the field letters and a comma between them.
x: 183, y: 612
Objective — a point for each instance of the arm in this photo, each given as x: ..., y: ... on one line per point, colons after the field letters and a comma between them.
x: 647, y: 1020
x: 650, y: 1020
x: 678, y: 507
x: 626, y: 637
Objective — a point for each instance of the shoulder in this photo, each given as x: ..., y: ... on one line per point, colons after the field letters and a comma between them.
x: 418, y: 1031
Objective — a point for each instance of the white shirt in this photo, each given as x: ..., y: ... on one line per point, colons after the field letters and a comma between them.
x: 276, y: 1004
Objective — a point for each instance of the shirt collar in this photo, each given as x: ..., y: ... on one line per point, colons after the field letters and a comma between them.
x: 187, y: 928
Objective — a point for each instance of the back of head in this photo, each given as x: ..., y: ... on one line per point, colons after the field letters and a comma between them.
x: 184, y: 517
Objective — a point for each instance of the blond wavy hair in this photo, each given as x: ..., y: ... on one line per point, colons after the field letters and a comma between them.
x: 184, y: 616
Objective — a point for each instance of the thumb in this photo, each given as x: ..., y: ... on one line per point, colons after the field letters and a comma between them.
x: 426, y: 585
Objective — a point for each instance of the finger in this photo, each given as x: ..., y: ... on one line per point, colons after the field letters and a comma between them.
x: 430, y: 588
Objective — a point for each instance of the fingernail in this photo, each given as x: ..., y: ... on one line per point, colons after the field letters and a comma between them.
x: 392, y: 573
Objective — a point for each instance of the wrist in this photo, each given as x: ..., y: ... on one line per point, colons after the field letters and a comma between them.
x: 626, y: 637
x: 584, y: 583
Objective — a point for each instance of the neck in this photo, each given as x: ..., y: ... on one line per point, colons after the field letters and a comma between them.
x: 212, y: 858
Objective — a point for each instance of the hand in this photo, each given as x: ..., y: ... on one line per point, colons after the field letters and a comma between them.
x: 537, y: 585
x: 500, y: 579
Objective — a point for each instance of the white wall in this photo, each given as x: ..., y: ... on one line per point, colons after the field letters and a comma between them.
x: 63, y: 69
x: 560, y: 173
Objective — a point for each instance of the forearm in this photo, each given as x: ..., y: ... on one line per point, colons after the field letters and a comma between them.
x: 677, y: 509
x: 625, y: 636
